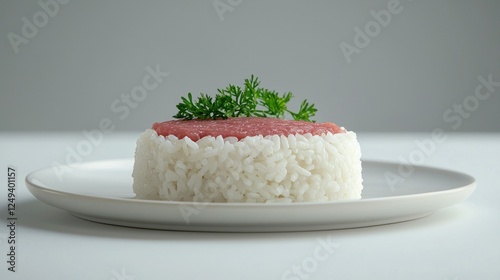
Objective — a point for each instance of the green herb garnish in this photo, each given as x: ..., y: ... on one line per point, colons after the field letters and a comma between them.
x: 251, y: 101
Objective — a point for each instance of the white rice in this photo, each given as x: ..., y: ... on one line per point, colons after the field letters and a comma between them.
x: 297, y: 168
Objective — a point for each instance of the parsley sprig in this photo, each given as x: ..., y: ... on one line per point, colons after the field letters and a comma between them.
x: 249, y: 101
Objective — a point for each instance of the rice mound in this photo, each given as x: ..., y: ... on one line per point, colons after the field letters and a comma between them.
x: 297, y: 168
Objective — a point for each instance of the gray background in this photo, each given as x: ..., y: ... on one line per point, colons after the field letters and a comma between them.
x: 427, y: 59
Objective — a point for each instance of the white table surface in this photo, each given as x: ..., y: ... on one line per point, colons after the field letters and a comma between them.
x: 455, y: 243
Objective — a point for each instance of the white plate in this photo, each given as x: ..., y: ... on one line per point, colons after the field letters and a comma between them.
x: 101, y: 191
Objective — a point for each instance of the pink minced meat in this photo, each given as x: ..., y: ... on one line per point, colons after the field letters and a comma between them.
x: 242, y: 127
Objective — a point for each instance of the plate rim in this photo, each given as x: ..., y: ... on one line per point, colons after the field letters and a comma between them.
x: 247, y: 217
x: 469, y: 187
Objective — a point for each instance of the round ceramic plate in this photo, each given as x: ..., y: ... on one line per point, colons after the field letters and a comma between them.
x: 101, y: 191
